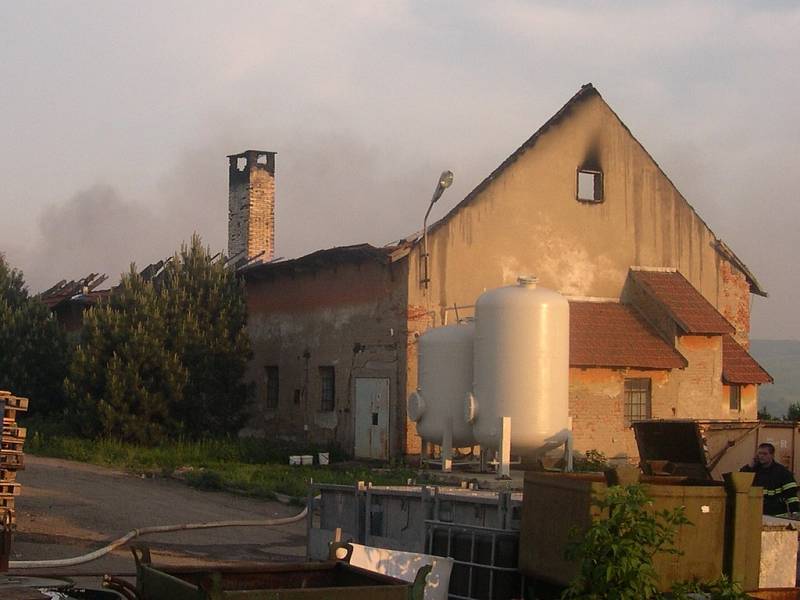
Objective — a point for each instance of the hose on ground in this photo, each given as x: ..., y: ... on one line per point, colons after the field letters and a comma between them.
x: 135, y: 533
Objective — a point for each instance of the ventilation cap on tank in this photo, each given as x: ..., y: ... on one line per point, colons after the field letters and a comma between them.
x: 528, y: 281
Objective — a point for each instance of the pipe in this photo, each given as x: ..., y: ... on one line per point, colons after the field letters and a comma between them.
x: 135, y: 533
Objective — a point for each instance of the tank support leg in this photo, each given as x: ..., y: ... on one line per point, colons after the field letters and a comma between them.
x: 447, y: 450
x: 504, y: 468
x: 568, y: 453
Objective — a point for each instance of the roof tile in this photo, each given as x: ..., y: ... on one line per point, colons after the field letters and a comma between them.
x: 738, y: 367
x: 690, y: 310
x: 610, y: 334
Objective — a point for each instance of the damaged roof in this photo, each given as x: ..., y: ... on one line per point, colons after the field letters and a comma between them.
x: 684, y: 304
x: 356, y: 253
x: 738, y: 367
x: 610, y: 334
x: 78, y: 290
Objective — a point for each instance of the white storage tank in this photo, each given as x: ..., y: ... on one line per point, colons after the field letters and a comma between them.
x: 521, y: 367
x: 444, y: 369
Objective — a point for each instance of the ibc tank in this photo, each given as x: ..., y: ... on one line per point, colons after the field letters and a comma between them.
x: 521, y: 367
x: 444, y: 368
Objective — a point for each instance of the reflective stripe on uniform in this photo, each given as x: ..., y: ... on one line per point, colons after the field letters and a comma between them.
x: 789, y: 486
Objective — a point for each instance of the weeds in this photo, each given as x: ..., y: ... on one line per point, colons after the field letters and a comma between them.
x: 248, y: 466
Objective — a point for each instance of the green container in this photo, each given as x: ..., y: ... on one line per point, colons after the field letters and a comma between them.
x: 331, y: 580
x: 716, y: 543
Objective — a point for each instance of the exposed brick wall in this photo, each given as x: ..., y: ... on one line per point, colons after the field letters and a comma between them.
x: 351, y: 317
x: 735, y: 301
x: 699, y: 385
x: 251, y: 206
x: 596, y: 405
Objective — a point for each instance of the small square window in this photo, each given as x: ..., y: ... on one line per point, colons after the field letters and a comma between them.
x: 735, y: 397
x: 637, y: 400
x: 327, y: 378
x: 590, y: 186
x: 271, y: 388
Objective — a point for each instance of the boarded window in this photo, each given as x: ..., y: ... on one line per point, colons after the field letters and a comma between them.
x: 637, y: 400
x: 271, y: 388
x: 735, y: 397
x: 327, y: 379
x: 590, y: 186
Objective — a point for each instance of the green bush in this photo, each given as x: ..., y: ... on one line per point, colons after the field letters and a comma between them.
x: 616, y: 553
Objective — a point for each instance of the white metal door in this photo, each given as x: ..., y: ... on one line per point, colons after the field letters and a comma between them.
x: 372, y: 417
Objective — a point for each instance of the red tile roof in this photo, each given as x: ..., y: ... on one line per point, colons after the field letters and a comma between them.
x: 738, y: 366
x: 690, y: 310
x: 610, y: 334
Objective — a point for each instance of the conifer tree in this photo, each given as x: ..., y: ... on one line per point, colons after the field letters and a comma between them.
x: 205, y: 317
x: 124, y: 379
x: 165, y: 357
x: 33, y: 348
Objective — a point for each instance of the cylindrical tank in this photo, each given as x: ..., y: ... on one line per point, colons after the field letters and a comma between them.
x: 444, y: 368
x: 521, y: 367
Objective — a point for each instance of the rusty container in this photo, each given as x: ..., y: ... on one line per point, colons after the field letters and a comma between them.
x: 555, y: 504
x: 329, y: 580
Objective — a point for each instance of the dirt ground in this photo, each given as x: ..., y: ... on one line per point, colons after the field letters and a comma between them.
x: 69, y: 508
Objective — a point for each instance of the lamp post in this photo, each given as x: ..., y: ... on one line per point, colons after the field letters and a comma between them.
x: 445, y: 181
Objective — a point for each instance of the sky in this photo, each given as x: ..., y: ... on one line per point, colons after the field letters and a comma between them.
x: 116, y: 117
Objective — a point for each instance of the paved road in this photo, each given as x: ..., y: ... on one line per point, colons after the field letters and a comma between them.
x: 69, y: 508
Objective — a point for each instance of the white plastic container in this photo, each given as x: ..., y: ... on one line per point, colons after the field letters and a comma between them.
x: 521, y: 368
x: 444, y: 369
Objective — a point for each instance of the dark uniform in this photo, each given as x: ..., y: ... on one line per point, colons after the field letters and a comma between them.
x: 780, y: 488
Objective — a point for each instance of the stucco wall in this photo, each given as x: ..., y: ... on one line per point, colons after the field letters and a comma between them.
x: 349, y: 316
x: 528, y: 221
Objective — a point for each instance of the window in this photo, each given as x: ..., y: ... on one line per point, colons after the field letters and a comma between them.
x: 271, y: 388
x: 327, y: 380
x: 735, y: 397
x: 637, y: 400
x: 590, y: 186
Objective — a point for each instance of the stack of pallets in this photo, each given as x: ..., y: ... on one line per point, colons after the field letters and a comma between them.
x: 11, y: 457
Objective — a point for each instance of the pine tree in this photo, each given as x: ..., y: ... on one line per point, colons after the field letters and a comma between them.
x: 205, y: 315
x: 124, y: 379
x: 165, y: 357
x: 33, y: 348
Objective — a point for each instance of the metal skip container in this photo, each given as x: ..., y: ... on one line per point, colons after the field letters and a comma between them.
x: 521, y: 368
x: 445, y: 378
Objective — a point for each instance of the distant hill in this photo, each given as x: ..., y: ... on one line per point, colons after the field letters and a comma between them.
x: 782, y: 359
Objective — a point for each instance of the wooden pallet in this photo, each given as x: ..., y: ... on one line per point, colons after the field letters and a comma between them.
x: 15, y: 431
x: 15, y: 402
x: 9, y: 489
x: 12, y: 460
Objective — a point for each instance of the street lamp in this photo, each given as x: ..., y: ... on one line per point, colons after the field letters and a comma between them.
x: 445, y: 181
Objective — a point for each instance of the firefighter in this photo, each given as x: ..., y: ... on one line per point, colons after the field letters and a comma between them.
x: 780, y: 488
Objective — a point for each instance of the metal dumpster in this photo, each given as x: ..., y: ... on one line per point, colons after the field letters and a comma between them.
x: 330, y: 580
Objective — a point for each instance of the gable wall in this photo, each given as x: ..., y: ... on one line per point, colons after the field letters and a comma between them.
x: 528, y: 221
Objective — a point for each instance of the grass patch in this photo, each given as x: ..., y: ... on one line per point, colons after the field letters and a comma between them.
x: 247, y: 466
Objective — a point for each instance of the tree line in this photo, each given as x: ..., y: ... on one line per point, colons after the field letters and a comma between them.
x: 161, y: 357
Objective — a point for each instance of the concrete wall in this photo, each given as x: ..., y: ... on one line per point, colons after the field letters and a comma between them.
x: 349, y: 316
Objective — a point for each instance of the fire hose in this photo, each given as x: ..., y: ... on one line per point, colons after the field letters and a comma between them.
x: 135, y: 533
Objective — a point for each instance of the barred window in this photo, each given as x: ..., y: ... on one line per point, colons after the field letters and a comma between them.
x: 637, y: 400
x: 271, y: 388
x: 327, y: 379
x: 735, y: 397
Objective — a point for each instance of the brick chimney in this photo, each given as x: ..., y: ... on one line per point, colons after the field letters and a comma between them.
x: 251, y: 205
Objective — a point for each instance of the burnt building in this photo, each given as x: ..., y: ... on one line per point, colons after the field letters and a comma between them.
x: 660, y: 306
